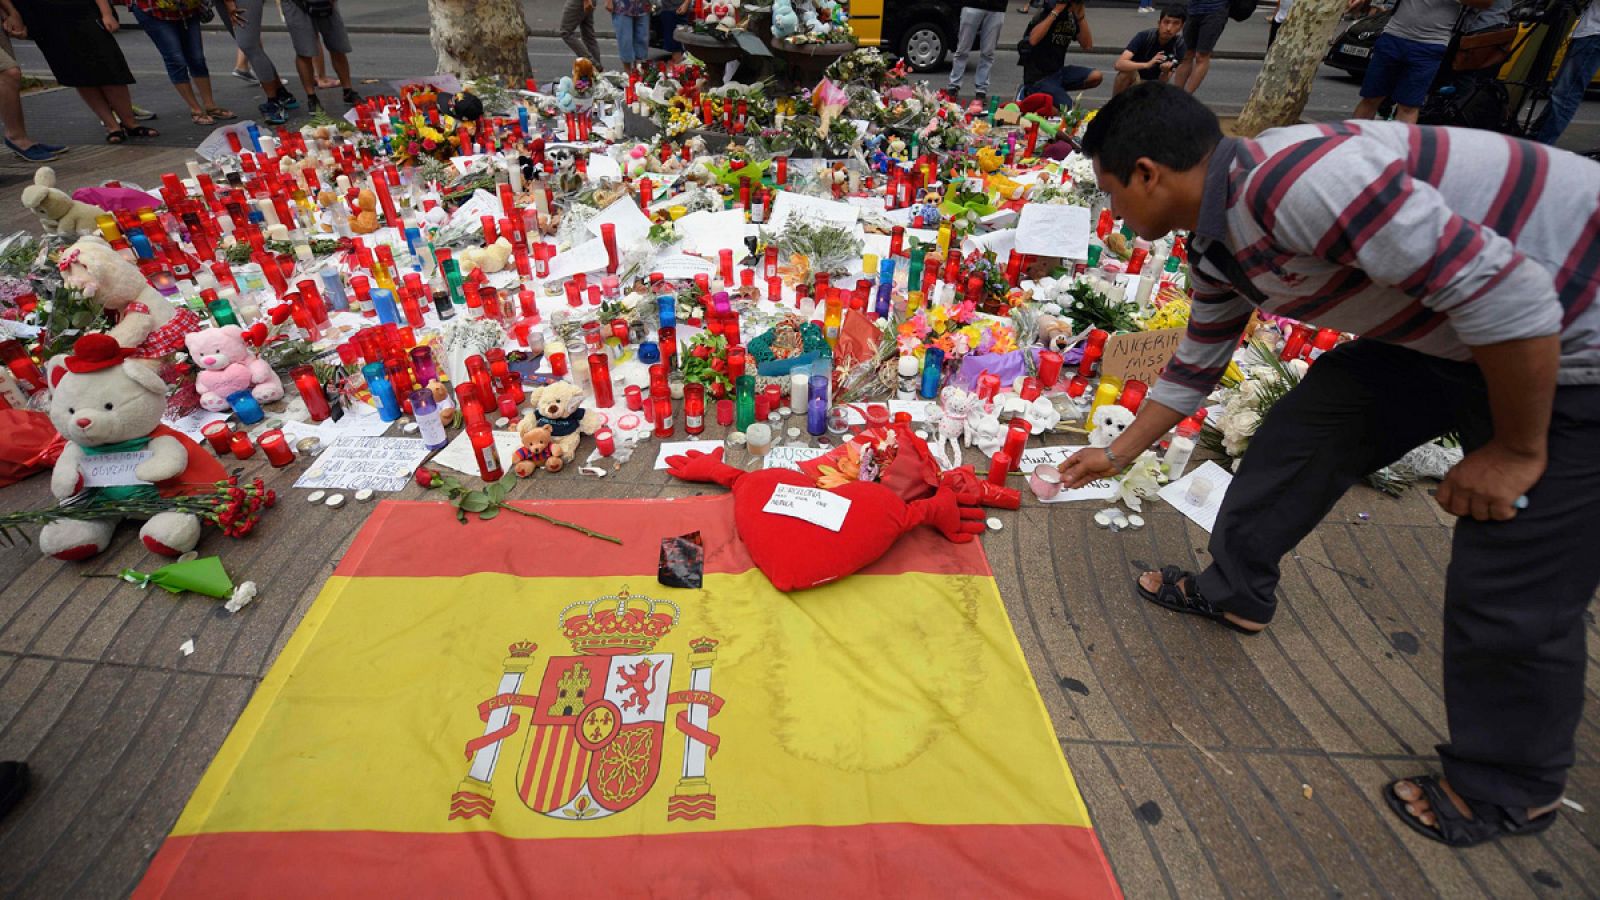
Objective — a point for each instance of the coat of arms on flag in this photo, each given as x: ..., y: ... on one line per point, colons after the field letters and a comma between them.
x: 594, y: 729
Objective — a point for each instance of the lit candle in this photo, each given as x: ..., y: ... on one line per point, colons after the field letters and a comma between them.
x: 239, y: 443
x: 277, y: 448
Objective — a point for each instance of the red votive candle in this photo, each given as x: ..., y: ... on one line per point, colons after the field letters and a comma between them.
x: 1132, y: 395
x: 219, y: 435
x: 600, y: 375
x: 634, y: 397
x: 305, y: 379
x: 999, y: 468
x: 608, y: 234
x: 240, y: 444
x: 725, y: 412
x: 1016, y: 438
x: 273, y: 443
x: 1049, y: 368
x: 605, y: 442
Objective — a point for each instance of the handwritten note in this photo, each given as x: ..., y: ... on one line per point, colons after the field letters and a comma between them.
x: 707, y: 232
x: 633, y: 226
x: 1099, y: 489
x: 812, y: 209
x: 1046, y: 229
x: 1199, y: 494
x: 1141, y: 355
x: 460, y: 455
x: 791, y: 457
x: 112, y: 469
x: 352, y: 463
x: 813, y: 505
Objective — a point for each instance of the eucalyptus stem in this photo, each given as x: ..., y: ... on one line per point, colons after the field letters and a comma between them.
x: 561, y: 522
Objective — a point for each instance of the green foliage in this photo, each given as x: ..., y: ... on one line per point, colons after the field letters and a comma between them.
x: 1092, y: 309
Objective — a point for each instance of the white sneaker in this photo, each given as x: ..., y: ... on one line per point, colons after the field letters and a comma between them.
x: 1144, y: 10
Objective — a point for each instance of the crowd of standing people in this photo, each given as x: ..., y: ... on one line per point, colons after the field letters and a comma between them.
x: 79, y: 44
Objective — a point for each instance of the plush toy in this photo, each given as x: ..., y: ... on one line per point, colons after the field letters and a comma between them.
x: 950, y: 422
x: 145, y: 321
x: 565, y: 101
x: 537, y: 450
x: 366, y: 217
x: 103, y: 401
x: 796, y: 554
x: 227, y: 367
x: 785, y: 21
x: 557, y: 406
x: 1054, y: 333
x: 441, y: 397
x: 723, y: 14
x: 1008, y: 114
x: 490, y: 259
x: 58, y: 213
x: 1108, y: 423
x: 636, y: 161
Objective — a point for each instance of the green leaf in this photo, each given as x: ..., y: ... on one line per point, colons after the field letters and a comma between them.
x: 489, y: 513
x: 475, y: 501
x: 497, y: 491
x: 461, y: 515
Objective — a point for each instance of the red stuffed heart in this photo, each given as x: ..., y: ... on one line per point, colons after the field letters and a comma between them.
x: 796, y: 554
x: 256, y: 335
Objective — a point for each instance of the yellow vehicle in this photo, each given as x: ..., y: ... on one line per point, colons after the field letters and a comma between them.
x: 919, y: 31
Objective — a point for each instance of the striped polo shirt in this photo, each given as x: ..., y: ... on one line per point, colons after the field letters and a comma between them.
x: 1437, y: 239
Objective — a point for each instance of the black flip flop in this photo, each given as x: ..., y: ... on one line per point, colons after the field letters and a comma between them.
x: 142, y: 131
x: 1186, y: 600
x: 1453, y: 829
x: 119, y: 136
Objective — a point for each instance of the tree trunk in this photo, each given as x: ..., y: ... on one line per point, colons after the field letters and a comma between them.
x: 1284, y: 84
x: 477, y: 38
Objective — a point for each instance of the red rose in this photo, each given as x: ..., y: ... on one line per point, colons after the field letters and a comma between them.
x: 425, y: 477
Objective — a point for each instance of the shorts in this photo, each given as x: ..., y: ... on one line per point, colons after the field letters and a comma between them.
x: 7, y: 60
x: 304, y: 29
x: 1202, y: 30
x: 1402, y: 69
x: 1060, y: 85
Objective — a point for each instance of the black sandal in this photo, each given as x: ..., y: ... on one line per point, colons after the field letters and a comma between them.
x: 1186, y: 600
x: 143, y: 131
x: 1451, y: 828
x: 119, y: 136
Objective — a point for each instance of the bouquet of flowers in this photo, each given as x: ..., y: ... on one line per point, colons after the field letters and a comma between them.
x: 233, y: 507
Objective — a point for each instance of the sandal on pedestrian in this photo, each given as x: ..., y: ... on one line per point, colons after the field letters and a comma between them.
x: 143, y: 131
x: 200, y: 118
x: 1179, y: 594
x: 220, y: 114
x: 118, y: 136
x: 1489, y: 822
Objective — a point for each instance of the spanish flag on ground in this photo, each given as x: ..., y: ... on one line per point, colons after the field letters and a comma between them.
x: 507, y: 708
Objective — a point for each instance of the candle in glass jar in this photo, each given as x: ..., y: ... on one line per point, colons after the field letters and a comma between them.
x: 1016, y: 438
x: 305, y: 380
x: 1132, y: 395
x: 277, y: 448
x: 240, y: 444
x: 999, y: 468
x: 605, y: 441
x: 600, y: 378
x: 219, y: 435
x: 1049, y: 368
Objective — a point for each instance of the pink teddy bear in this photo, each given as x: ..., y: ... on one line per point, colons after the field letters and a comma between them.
x: 227, y: 367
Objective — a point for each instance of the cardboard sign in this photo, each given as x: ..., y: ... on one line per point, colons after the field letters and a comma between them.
x: 112, y: 469
x: 813, y: 505
x: 1141, y: 355
x: 352, y: 463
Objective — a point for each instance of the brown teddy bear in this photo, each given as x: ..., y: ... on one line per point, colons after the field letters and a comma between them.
x: 537, y: 451
x: 557, y: 406
x: 1055, y: 333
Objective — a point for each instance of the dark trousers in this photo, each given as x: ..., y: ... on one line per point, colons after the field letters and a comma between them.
x: 1515, y: 591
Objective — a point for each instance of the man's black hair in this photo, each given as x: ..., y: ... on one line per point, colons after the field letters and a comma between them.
x: 1175, y: 11
x: 1155, y: 120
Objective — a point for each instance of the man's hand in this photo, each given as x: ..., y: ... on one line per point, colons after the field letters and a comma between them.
x: 588, y: 6
x: 1487, y: 482
x: 1085, y: 466
x: 609, y: 7
x: 1160, y: 59
x: 109, y: 22
x: 13, y: 26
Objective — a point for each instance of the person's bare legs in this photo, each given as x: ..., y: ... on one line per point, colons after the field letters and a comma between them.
x: 186, y: 91
x: 121, y: 102
x: 1151, y: 581
x: 1367, y: 108
x: 11, y: 108
x: 308, y: 74
x: 341, y: 68
x: 1406, y: 114
x: 241, y: 63
x: 202, y: 86
x: 1197, y: 75
x: 1124, y: 81
x: 323, y: 81
x: 95, y: 99
x: 1417, y: 805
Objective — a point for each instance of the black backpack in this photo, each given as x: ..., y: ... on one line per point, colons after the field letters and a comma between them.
x: 1240, y: 10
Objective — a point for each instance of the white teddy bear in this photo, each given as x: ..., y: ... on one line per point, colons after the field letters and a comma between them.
x: 1109, y: 422
x: 104, y: 402
x: 57, y: 211
x: 145, y: 321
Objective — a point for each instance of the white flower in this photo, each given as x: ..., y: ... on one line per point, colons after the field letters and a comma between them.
x: 1299, y: 367
x: 1142, y: 479
x: 242, y: 595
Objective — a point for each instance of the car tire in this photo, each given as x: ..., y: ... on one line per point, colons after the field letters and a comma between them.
x: 924, y: 45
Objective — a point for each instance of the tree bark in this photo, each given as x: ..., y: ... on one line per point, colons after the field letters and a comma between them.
x: 1284, y: 83
x: 477, y: 38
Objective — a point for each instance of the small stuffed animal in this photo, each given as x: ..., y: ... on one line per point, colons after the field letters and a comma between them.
x: 227, y: 367
x: 145, y: 321
x: 104, y: 401
x: 57, y: 212
x: 1110, y: 420
x: 490, y: 259
x: 1054, y: 333
x: 565, y: 101
x: 366, y: 218
x: 537, y: 450
x: 985, y: 432
x: 441, y: 396
x: 557, y: 406
x: 785, y: 21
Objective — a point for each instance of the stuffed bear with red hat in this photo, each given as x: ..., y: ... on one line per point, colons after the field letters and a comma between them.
x: 103, y: 401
